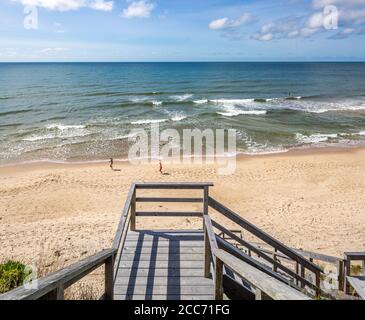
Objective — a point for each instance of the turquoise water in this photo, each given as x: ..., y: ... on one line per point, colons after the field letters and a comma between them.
x: 84, y: 111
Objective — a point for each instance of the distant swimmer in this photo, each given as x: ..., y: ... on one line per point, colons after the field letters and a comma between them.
x: 111, y: 164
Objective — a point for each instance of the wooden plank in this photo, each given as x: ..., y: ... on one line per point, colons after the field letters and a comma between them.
x: 164, y: 250
x: 162, y: 244
x: 358, y: 283
x: 167, y: 214
x: 160, y: 290
x: 262, y: 235
x: 172, y: 272
x: 170, y: 200
x: 62, y: 278
x: 260, y: 280
x: 173, y: 185
x: 176, y: 280
x: 164, y: 297
x: 165, y: 256
x: 163, y: 264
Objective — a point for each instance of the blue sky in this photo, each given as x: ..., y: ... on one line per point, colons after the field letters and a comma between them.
x: 182, y: 30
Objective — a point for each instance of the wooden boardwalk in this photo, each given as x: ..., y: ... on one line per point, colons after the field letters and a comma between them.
x: 163, y: 265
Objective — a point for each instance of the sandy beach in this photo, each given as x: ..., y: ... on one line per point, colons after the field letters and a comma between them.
x: 53, y: 214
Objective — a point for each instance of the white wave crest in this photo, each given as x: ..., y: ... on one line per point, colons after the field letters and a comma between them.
x: 182, y: 97
x: 64, y: 127
x: 202, y: 101
x: 149, y: 121
x: 315, y: 138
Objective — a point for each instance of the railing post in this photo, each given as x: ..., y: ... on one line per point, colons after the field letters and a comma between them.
x: 109, y: 278
x: 341, y: 275
x: 56, y: 294
x: 318, y: 283
x: 302, y: 274
x: 274, y: 256
x: 205, y: 202
x: 347, y: 273
x: 133, y: 211
x: 205, y: 199
x: 260, y: 295
x: 218, y: 285
x: 207, y: 254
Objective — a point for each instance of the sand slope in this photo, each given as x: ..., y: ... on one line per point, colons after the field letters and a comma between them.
x: 54, y: 214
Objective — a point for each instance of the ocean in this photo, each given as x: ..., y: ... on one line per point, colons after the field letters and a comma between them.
x: 85, y: 111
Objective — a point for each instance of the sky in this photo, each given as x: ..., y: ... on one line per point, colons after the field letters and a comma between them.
x: 182, y: 30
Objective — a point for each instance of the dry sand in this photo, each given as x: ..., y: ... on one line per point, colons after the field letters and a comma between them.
x: 53, y: 214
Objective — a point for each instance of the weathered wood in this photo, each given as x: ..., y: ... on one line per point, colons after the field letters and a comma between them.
x: 347, y: 273
x: 60, y: 279
x: 341, y: 275
x: 163, y: 297
x: 262, y: 235
x: 168, y: 214
x: 159, y: 272
x: 207, y: 254
x: 124, y: 218
x: 170, y: 200
x: 250, y: 247
x: 164, y: 256
x: 133, y: 211
x: 173, y: 185
x: 231, y: 249
x: 162, y: 266
x: 167, y: 243
x: 211, y: 235
x: 358, y: 283
x: 56, y: 294
x: 267, y: 284
x: 163, y: 289
x: 356, y: 256
x: 218, y: 279
x: 182, y: 280
x: 206, y: 200
x: 109, y: 278
x: 159, y: 264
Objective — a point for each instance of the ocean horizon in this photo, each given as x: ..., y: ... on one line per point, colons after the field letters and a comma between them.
x: 85, y: 111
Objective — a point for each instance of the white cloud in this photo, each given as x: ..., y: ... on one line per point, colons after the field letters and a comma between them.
x: 52, y: 50
x: 218, y: 24
x: 138, y: 9
x: 67, y: 5
x: 225, y: 23
x: 320, y: 4
x: 102, y: 5
x: 263, y: 37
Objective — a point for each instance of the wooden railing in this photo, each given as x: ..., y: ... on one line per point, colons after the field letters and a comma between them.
x: 218, y: 252
x: 277, y: 245
x: 265, y: 286
x: 170, y: 185
x: 52, y: 286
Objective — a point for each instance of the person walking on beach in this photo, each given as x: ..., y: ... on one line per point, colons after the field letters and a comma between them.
x: 111, y: 164
x: 160, y: 167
